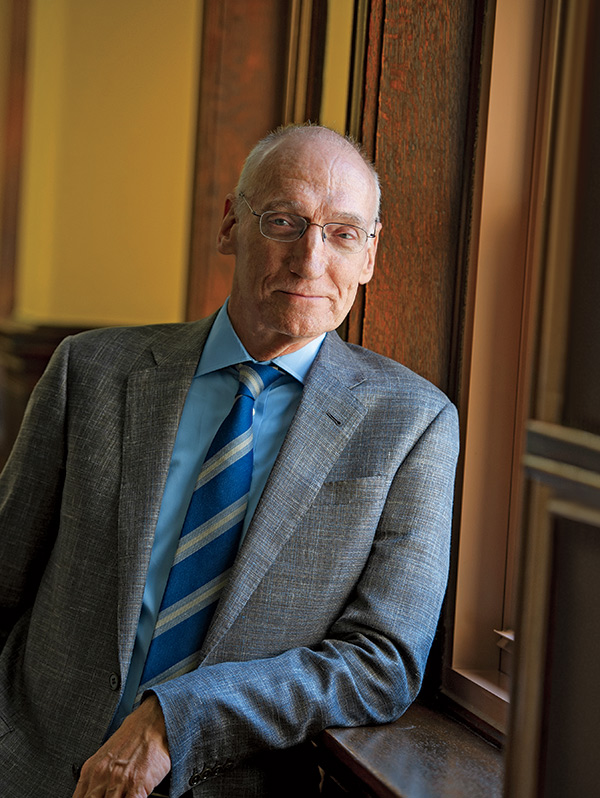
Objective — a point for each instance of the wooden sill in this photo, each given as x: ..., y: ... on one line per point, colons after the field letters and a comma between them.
x: 425, y: 754
x: 484, y: 694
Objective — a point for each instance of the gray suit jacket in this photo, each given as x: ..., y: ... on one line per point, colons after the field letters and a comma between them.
x: 333, y: 601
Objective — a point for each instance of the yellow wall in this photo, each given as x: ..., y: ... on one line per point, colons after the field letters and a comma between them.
x: 110, y: 129
x: 336, y: 69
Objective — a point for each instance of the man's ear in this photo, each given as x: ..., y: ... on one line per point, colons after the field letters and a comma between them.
x: 226, y: 238
x: 367, y: 270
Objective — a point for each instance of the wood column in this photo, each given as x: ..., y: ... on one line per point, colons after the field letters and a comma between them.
x: 415, y: 125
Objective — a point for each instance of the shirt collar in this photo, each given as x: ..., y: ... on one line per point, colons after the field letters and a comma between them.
x: 223, y: 348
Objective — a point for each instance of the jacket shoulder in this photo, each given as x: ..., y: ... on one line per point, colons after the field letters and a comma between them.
x: 127, y: 348
x: 393, y: 379
x: 131, y: 338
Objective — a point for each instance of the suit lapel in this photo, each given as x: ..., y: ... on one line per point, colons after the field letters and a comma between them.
x: 155, y: 397
x: 326, y: 418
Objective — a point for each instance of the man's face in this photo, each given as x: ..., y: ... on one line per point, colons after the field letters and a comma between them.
x: 285, y: 294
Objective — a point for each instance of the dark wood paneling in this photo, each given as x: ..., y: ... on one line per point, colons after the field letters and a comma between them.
x: 572, y: 706
x: 25, y: 350
x: 582, y: 389
x: 577, y: 451
x: 420, y: 132
x: 316, y: 57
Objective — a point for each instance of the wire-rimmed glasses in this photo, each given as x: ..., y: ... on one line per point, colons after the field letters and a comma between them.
x: 288, y: 227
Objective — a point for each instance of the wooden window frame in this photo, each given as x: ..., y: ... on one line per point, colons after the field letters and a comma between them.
x: 477, y: 672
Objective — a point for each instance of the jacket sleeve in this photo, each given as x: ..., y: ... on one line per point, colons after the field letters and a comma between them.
x: 30, y: 489
x: 368, y: 669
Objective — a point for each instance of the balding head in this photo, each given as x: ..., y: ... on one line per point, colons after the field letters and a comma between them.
x: 292, y: 137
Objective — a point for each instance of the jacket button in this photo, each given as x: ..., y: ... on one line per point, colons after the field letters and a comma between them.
x: 195, y: 780
x: 114, y: 681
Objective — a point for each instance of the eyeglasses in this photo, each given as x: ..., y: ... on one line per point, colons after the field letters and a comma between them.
x: 283, y: 226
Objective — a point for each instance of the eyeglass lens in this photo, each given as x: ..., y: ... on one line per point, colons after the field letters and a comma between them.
x: 289, y: 227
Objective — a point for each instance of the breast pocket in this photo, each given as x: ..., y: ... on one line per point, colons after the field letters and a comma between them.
x: 362, y: 490
x: 344, y: 514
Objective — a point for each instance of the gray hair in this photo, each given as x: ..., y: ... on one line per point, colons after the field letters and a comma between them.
x: 253, y: 162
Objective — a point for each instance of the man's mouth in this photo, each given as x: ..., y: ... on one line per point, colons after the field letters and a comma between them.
x: 301, y: 294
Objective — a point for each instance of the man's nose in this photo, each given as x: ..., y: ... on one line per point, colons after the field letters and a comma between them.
x: 310, y: 254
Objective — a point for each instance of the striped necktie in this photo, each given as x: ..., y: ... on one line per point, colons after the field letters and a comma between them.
x: 209, y: 538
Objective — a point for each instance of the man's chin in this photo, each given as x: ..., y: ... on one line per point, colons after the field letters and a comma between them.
x: 302, y: 329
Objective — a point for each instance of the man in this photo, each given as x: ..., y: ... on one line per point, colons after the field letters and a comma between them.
x: 329, y: 610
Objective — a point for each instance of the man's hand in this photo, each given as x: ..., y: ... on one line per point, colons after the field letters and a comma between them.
x: 133, y: 761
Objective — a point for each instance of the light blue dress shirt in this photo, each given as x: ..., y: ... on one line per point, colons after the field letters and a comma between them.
x: 208, y: 402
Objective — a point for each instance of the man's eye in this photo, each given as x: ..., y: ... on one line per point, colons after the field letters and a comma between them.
x: 344, y: 232
x: 282, y: 221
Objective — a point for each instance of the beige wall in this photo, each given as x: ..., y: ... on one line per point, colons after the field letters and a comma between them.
x: 108, y: 164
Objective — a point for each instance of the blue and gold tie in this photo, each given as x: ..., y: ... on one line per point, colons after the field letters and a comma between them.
x: 209, y: 538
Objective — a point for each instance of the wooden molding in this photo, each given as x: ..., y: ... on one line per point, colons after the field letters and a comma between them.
x: 13, y: 154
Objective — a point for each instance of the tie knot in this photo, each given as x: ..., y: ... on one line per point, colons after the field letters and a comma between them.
x: 255, y: 377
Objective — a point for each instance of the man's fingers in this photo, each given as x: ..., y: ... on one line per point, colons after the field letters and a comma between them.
x: 132, y: 762
x: 103, y: 778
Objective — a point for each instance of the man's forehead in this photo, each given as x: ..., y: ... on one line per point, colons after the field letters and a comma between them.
x: 316, y: 152
x: 331, y: 175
